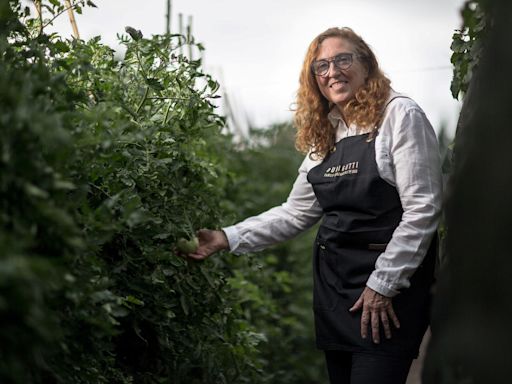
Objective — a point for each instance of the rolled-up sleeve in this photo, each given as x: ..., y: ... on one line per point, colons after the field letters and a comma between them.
x: 300, y: 211
x: 415, y: 163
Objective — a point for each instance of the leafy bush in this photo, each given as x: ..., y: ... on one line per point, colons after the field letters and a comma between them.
x: 105, y: 164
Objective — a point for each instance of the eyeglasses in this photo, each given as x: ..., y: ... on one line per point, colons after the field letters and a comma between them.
x: 341, y: 61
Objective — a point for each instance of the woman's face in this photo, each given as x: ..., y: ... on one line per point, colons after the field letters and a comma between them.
x: 340, y: 85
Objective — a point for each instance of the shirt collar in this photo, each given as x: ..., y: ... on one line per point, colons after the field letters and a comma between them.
x: 334, y: 116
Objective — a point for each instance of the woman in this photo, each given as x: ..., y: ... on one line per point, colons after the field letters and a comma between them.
x: 372, y: 172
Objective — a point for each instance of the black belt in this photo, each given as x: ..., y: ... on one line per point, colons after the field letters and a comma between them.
x: 370, y: 246
x: 377, y: 247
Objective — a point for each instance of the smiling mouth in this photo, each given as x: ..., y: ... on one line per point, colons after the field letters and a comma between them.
x: 338, y: 83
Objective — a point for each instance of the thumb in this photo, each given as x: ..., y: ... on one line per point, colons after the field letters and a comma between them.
x: 358, y: 305
x: 202, y: 233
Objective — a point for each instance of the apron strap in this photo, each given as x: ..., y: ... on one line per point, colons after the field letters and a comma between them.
x: 393, y: 98
x: 383, y: 112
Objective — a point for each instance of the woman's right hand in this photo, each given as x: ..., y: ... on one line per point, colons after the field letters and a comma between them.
x: 210, y: 241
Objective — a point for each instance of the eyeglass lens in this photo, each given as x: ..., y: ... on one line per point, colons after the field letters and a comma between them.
x: 341, y: 61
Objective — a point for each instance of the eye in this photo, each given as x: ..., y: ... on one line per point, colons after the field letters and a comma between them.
x: 320, y: 66
x: 343, y: 60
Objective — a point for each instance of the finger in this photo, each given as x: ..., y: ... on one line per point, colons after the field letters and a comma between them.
x: 365, y: 319
x: 199, y: 254
x: 385, y: 323
x: 358, y: 304
x: 393, y: 316
x: 202, y: 235
x: 375, y: 327
x: 196, y: 256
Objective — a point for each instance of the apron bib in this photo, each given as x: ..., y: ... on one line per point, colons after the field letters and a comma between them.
x: 361, y: 212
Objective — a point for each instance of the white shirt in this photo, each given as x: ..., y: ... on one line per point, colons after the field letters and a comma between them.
x: 407, y: 157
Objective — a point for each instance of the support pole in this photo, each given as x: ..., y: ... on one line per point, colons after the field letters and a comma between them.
x: 72, y: 20
x: 39, y: 14
x: 189, y: 38
x: 168, y: 18
x: 180, y: 31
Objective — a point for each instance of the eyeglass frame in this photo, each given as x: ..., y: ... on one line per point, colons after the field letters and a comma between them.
x: 332, y: 60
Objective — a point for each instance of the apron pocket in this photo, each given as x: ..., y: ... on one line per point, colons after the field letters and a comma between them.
x: 325, y: 295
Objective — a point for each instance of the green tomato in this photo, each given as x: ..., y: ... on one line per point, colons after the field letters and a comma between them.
x: 188, y: 246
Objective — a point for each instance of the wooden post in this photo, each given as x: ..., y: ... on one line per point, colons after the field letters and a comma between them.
x: 180, y: 30
x: 38, y: 8
x: 72, y: 20
x: 168, y: 18
x: 39, y: 14
x: 189, y: 38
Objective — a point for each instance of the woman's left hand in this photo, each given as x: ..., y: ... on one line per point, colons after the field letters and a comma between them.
x: 376, y: 309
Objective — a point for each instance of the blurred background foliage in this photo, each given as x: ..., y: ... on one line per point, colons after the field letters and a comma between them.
x: 265, y: 172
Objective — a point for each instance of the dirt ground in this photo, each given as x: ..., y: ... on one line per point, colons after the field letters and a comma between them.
x: 415, y: 372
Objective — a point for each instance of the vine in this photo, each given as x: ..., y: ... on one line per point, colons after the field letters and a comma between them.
x: 467, y: 46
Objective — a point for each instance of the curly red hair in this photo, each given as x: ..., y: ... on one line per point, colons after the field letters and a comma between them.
x: 315, y: 134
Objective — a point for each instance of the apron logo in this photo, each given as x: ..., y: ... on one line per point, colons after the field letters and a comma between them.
x: 342, y: 170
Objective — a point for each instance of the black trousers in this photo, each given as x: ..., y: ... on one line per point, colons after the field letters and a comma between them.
x: 364, y: 368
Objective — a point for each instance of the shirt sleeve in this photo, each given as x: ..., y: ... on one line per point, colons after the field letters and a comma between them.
x: 300, y: 211
x: 415, y: 162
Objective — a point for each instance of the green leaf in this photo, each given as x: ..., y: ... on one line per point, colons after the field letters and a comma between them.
x: 177, y: 261
x: 63, y: 184
x: 184, y: 305
x: 133, y: 300
x: 162, y: 236
x: 207, y: 276
x: 155, y: 84
x: 134, y: 33
x: 35, y: 191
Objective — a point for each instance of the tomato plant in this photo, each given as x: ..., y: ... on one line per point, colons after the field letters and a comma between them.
x: 107, y: 160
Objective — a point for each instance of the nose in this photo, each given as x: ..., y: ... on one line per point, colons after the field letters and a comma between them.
x: 335, y: 69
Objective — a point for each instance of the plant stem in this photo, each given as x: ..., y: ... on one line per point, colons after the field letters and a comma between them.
x: 144, y: 98
x: 167, y: 114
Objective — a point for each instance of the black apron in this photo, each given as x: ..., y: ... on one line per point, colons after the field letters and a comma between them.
x: 361, y: 211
